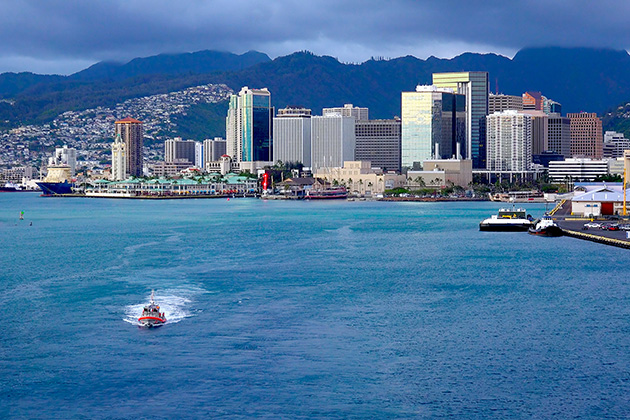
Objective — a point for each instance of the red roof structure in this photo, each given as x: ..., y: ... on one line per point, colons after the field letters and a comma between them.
x: 128, y: 120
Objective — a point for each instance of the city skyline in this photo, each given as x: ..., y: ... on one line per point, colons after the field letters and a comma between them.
x: 43, y: 37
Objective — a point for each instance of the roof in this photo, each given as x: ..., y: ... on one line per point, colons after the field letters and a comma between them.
x: 128, y: 120
x: 600, y: 195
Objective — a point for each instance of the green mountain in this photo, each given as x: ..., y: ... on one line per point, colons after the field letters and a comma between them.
x: 579, y: 78
x: 172, y: 64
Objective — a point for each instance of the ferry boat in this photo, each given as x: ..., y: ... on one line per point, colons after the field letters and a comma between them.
x: 514, y: 219
x: 546, y: 227
x: 151, y: 315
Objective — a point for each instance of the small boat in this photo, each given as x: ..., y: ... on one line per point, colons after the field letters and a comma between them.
x: 546, y: 227
x: 507, y: 220
x: 151, y: 315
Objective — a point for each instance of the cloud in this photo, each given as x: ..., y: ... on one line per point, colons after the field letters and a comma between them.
x: 69, y: 33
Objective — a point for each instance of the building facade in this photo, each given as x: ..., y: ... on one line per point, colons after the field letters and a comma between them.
x: 379, y: 142
x: 501, y: 102
x: 540, y: 131
x: 360, y: 178
x: 586, y: 135
x: 433, y: 125
x: 577, y: 170
x: 533, y: 101
x: 213, y: 149
x: 474, y: 85
x: 65, y: 156
x: 559, y: 134
x: 348, y: 110
x: 179, y: 150
x: 249, y: 126
x: 292, y: 135
x: 131, y: 132
x: 333, y: 141
x: 615, y: 144
x: 509, y: 142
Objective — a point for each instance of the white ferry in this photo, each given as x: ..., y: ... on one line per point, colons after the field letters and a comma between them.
x: 507, y: 220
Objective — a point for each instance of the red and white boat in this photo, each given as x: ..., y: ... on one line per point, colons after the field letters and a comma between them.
x: 151, y: 315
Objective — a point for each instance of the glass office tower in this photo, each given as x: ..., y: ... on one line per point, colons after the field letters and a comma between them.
x: 473, y: 84
x: 433, y: 125
x: 249, y: 126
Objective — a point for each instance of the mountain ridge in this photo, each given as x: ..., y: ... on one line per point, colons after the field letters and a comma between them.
x: 579, y: 78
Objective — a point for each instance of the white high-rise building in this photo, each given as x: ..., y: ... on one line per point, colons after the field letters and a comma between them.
x: 65, y: 156
x: 348, y: 110
x: 509, y: 141
x: 333, y: 141
x: 292, y: 135
x: 119, y: 159
x: 213, y: 149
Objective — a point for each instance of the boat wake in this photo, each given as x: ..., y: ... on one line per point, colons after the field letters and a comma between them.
x: 175, y: 308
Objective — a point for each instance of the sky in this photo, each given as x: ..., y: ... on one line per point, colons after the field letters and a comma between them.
x: 63, y: 37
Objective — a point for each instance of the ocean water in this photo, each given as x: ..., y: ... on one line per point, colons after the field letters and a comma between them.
x: 290, y: 310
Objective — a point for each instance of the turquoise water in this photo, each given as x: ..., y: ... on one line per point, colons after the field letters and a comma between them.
x: 304, y: 310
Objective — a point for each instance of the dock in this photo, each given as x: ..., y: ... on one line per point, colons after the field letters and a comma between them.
x: 573, y: 226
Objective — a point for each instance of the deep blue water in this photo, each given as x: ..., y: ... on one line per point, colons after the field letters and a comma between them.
x: 304, y: 310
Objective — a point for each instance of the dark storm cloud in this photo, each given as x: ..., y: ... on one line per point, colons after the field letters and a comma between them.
x: 55, y: 34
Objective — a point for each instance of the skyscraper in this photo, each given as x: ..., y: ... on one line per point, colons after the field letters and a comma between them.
x: 378, y: 141
x: 433, y: 125
x: 509, y: 141
x: 119, y: 159
x: 249, y: 126
x: 292, y: 135
x: 559, y: 134
x: 178, y: 150
x: 333, y: 141
x: 213, y: 149
x: 586, y: 135
x: 473, y: 84
x: 533, y: 101
x: 130, y: 130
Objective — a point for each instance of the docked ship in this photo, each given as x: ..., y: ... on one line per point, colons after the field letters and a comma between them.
x: 327, y: 194
x: 57, y: 181
x: 507, y: 220
x: 10, y: 187
x: 151, y: 315
x: 546, y: 227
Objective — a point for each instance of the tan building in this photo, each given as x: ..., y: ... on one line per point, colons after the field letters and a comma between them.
x: 130, y: 130
x: 359, y: 177
x: 500, y: 103
x: 441, y: 173
x: 540, y: 131
x: 586, y: 135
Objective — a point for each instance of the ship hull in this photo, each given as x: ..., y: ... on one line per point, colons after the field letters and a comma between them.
x: 495, y: 227
x: 55, y: 188
x: 151, y: 321
x: 551, y: 231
